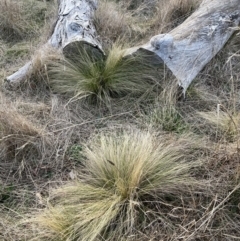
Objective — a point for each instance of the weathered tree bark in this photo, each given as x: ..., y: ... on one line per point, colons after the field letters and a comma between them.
x: 188, y: 48
x: 185, y: 50
x: 74, y: 29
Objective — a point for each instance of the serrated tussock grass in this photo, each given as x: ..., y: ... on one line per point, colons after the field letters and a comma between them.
x: 16, y: 131
x: 112, y: 23
x: 100, y: 79
x: 168, y: 118
x: 165, y: 115
x: 20, y: 19
x: 82, y: 209
x: 11, y: 19
x: 172, y: 13
x: 126, y: 176
x: 224, y: 123
x: 123, y: 18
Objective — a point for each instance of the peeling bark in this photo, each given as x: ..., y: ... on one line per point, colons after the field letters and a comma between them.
x: 74, y: 28
x: 188, y: 48
x: 185, y: 50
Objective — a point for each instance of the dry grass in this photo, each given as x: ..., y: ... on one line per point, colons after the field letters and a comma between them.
x: 125, y: 21
x: 12, y: 21
x: 126, y: 176
x: 170, y: 14
x: 42, y: 58
x: 165, y: 115
x: 127, y: 184
x: 103, y: 79
x: 136, y: 21
x: 224, y: 123
x: 19, y: 19
x: 17, y: 133
x: 113, y: 23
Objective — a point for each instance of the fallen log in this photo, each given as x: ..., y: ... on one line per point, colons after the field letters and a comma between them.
x: 73, y: 29
x: 185, y: 50
x: 188, y: 48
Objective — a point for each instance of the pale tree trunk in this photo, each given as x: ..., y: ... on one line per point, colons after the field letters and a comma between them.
x: 188, y: 48
x: 185, y: 50
x: 74, y: 29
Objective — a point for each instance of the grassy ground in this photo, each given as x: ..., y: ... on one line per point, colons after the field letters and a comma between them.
x: 108, y: 152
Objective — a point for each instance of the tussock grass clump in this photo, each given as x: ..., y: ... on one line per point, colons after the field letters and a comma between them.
x: 112, y: 23
x: 168, y: 118
x: 13, y: 122
x: 165, y: 114
x: 170, y: 14
x: 104, y: 78
x: 126, y: 177
x: 20, y: 18
x: 124, y: 19
x: 224, y: 123
x: 40, y: 60
x: 11, y: 19
x: 16, y: 131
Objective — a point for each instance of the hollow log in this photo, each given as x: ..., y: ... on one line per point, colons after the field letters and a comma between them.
x: 73, y: 29
x: 189, y: 47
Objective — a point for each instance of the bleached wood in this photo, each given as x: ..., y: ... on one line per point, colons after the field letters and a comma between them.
x: 185, y: 50
x: 188, y: 48
x: 21, y: 74
x: 75, y: 25
x: 74, y: 28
